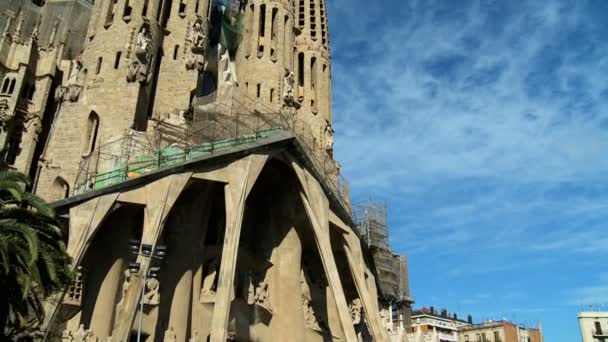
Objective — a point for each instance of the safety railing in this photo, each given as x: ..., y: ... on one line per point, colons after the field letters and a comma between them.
x: 214, y: 126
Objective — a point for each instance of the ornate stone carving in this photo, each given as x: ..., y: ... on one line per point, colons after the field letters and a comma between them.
x: 328, y: 136
x: 198, y: 37
x: 137, y: 72
x: 143, y: 44
x: 81, y: 335
x: 60, y: 93
x: 311, y: 318
x: 125, y: 288
x: 355, y: 310
x: 74, y: 294
x: 258, y: 292
x: 139, y: 69
x: 195, y: 61
x: 152, y: 294
x: 74, y: 91
x: 288, y: 84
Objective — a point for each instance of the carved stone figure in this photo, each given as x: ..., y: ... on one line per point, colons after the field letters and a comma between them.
x: 288, y: 83
x: 152, y: 294
x: 328, y: 135
x: 311, y: 319
x: 60, y: 93
x: 355, y: 311
x: 81, y: 335
x: 195, y: 61
x: 198, y: 38
x: 137, y: 72
x: 125, y: 287
x: 74, y: 91
x: 143, y: 45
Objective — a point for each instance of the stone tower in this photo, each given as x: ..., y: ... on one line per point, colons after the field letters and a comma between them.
x: 189, y: 152
x: 313, y: 68
x: 135, y: 49
x: 266, y: 56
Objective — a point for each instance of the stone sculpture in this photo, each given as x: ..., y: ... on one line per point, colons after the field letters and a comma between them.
x: 355, y: 310
x: 288, y: 84
x: 138, y: 69
x: 328, y: 136
x: 81, y: 335
x: 143, y: 44
x: 198, y: 38
x: 311, y: 319
x: 152, y: 294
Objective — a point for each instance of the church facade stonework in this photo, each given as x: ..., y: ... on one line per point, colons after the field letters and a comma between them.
x: 189, y: 146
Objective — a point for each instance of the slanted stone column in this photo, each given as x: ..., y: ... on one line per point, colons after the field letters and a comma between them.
x: 101, y: 320
x: 317, y: 209
x: 160, y: 198
x: 242, y: 176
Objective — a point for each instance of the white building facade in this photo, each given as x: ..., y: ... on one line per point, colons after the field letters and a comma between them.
x: 594, y: 325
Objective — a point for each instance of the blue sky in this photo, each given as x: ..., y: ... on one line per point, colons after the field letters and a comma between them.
x: 484, y: 126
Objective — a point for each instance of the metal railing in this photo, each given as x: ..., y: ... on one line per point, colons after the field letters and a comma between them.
x: 214, y: 126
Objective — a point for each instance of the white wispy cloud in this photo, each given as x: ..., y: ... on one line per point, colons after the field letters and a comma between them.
x: 484, y: 125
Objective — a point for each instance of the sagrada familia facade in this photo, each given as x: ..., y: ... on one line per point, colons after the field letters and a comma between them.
x: 188, y: 147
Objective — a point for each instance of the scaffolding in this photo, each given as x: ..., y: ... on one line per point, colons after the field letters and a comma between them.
x: 371, y: 218
x: 210, y: 125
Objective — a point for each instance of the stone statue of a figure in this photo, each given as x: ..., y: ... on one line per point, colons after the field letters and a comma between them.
x: 288, y: 84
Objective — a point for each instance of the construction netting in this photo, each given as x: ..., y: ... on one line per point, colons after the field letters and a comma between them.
x: 371, y: 219
x: 226, y: 20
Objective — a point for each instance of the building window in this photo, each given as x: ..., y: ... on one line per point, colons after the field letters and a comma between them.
x: 259, y: 90
x: 301, y: 10
x: 127, y: 11
x: 313, y: 73
x: 182, y: 7
x: 144, y: 11
x: 301, y: 69
x: 14, y: 144
x: 98, y: 68
x: 117, y: 60
x: 466, y: 338
x: 31, y: 92
x: 271, y: 94
x: 496, y: 336
x: 262, y: 20
x: 11, y: 88
x: 175, y: 51
x: 60, y: 189
x: 5, y: 85
x: 90, y: 137
x: 598, y: 328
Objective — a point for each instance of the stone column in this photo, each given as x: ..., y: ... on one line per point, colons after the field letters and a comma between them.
x: 286, y: 290
x: 102, y: 318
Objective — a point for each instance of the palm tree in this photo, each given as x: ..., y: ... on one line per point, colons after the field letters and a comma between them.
x: 33, y: 260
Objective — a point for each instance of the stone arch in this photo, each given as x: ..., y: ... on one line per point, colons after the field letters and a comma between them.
x: 278, y: 265
x: 60, y: 189
x: 90, y: 135
x: 104, y: 266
